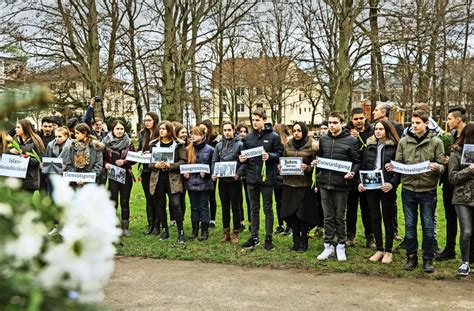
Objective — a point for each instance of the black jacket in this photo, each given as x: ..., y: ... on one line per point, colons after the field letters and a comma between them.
x: 388, y: 154
x: 364, y: 135
x: 32, y: 179
x: 225, y: 151
x: 252, y: 168
x: 342, y: 147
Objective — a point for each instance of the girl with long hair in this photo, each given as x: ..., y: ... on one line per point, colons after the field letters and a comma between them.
x: 228, y: 149
x: 86, y: 153
x: 165, y: 179
x: 29, y: 142
x: 462, y: 177
x: 59, y: 147
x: 117, y: 145
x: 212, y: 138
x: 381, y: 149
x: 199, y: 185
x: 182, y: 134
x: 150, y: 131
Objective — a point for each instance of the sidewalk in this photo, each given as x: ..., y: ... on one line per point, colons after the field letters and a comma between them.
x: 152, y: 284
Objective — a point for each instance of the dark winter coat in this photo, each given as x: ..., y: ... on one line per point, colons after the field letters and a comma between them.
x: 110, y: 156
x: 204, y: 154
x: 388, y: 154
x: 252, y: 168
x: 342, y: 147
x: 32, y: 179
x: 364, y: 135
x: 227, y: 151
x: 174, y: 175
x: 462, y: 178
x: 308, y: 153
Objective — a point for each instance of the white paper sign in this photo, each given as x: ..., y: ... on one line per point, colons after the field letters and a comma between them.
x: 117, y: 173
x: 52, y: 165
x: 13, y: 166
x: 254, y: 152
x: 225, y: 169
x: 371, y: 179
x: 79, y: 176
x: 165, y: 154
x: 411, y: 169
x: 334, y: 165
x: 194, y: 168
x: 138, y: 157
x: 291, y: 166
x: 467, y: 156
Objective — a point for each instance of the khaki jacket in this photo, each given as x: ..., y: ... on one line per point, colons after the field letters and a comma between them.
x: 308, y: 153
x: 410, y: 152
x: 462, y: 178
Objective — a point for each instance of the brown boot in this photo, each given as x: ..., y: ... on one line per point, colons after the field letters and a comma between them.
x: 226, y: 236
x: 235, y: 237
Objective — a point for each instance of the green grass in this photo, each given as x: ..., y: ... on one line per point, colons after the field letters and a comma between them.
x: 212, y: 251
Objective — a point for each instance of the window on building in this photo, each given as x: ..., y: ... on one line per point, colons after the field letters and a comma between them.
x: 260, y: 105
x: 240, y: 108
x: 259, y: 91
x: 52, y: 86
x: 116, y: 104
x: 300, y: 110
x: 240, y: 91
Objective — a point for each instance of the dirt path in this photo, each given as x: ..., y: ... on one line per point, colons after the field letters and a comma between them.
x: 151, y: 284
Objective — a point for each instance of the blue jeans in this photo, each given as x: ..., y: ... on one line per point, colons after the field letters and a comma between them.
x: 426, y: 201
x: 199, y: 205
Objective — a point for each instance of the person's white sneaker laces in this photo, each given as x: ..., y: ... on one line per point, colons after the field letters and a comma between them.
x: 327, y: 252
x: 341, y: 252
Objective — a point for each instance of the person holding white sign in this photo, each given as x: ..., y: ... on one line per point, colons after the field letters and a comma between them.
x: 418, y: 146
x: 149, y: 133
x: 165, y: 180
x: 261, y: 175
x: 227, y: 150
x: 117, y: 145
x: 58, y: 148
x: 462, y: 177
x: 298, y: 199
x: 381, y: 149
x: 29, y: 143
x: 199, y: 185
x: 340, y: 145
x: 85, y: 154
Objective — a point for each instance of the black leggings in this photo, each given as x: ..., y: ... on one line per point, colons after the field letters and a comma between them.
x: 241, y: 201
x: 116, y: 188
x: 376, y: 198
x: 151, y: 208
x: 466, y: 240
x: 163, y: 188
x: 212, y: 203
x: 229, y: 195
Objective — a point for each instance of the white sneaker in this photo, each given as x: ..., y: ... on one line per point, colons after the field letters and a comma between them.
x: 341, y: 252
x: 173, y: 223
x: 327, y: 252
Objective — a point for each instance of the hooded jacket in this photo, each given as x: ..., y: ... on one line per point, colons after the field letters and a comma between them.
x: 204, y: 153
x: 342, y: 147
x: 252, y: 168
x: 227, y: 151
x: 409, y: 151
x: 388, y: 154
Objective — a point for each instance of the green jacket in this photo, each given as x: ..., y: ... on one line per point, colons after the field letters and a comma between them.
x: 410, y: 152
x: 462, y: 178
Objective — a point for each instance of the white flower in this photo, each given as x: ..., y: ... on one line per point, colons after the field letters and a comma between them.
x: 13, y: 183
x: 5, y: 209
x: 30, y: 238
x: 62, y: 192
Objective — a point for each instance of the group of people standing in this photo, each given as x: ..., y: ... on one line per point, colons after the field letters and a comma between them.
x: 323, y: 198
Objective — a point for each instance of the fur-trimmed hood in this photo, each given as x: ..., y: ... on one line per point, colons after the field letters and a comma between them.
x: 372, y: 140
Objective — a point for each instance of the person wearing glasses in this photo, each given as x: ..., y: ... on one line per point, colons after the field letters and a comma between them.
x: 360, y: 129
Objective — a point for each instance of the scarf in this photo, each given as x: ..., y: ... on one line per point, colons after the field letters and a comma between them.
x: 116, y: 144
x: 298, y: 144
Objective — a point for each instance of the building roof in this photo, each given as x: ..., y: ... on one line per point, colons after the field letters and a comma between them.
x: 61, y: 72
